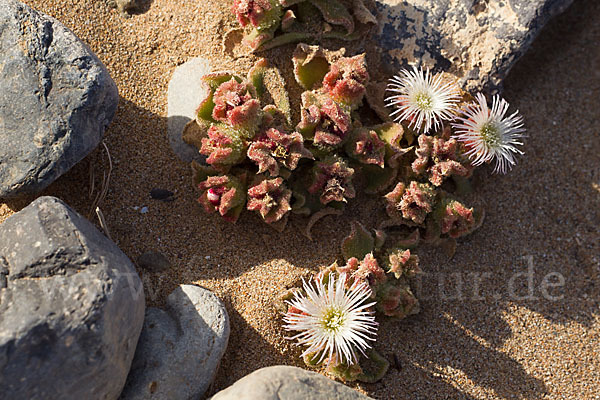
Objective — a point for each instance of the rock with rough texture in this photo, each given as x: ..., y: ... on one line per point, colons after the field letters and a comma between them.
x: 179, y: 349
x: 56, y: 99
x: 287, y: 383
x: 186, y: 92
x: 71, y: 307
x: 477, y: 40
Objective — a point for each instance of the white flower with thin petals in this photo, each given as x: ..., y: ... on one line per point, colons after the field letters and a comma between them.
x: 422, y: 99
x: 333, y: 320
x: 488, y: 135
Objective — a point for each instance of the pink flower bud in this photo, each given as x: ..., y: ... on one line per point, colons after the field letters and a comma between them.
x: 213, y: 197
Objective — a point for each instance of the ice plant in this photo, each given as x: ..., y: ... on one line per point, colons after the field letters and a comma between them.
x: 402, y: 263
x: 332, y: 181
x: 422, y: 99
x: 274, y: 22
x: 457, y: 220
x: 411, y: 203
x: 223, y: 146
x: 396, y: 300
x: 366, y: 271
x: 270, y: 198
x: 224, y: 194
x: 258, y: 13
x: 261, y: 159
x: 367, y: 147
x: 439, y: 158
x: 275, y: 148
x: 235, y: 104
x: 488, y: 134
x: 345, y: 80
x: 332, y: 320
x: 324, y: 119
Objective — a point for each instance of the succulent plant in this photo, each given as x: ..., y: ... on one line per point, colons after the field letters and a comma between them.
x: 439, y: 158
x: 366, y: 147
x: 271, y: 198
x: 328, y: 123
x: 316, y: 19
x: 358, y: 243
x: 240, y: 131
x: 225, y: 194
x: 366, y: 271
x: 224, y: 146
x: 453, y: 219
x: 370, y: 368
x: 457, y: 220
x: 260, y: 159
x: 401, y: 262
x: 346, y: 79
x: 237, y: 106
x: 335, y: 321
x: 312, y: 63
x: 411, y: 203
x: 395, y: 299
x: 332, y: 181
x: 275, y: 149
x: 259, y: 13
x: 388, y: 292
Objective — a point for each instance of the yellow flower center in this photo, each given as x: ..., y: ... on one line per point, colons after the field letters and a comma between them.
x: 424, y: 101
x: 490, y: 134
x: 333, y: 320
x: 269, y: 201
x: 280, y: 152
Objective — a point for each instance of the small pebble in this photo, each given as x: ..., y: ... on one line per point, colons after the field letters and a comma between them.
x: 144, y: 210
x: 161, y: 194
x: 397, y: 363
x: 154, y: 261
x: 125, y: 6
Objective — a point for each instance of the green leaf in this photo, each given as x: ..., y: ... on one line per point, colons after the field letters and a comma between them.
x: 335, y: 13
x: 380, y: 237
x: 213, y: 81
x: 359, y: 243
x: 312, y: 73
x: 374, y: 367
x: 201, y: 172
x: 290, y: 37
x: 411, y: 241
x: 311, y: 64
x: 317, y: 216
x: 256, y: 76
x: 379, y: 179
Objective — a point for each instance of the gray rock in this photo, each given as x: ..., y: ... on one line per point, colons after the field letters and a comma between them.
x: 478, y: 40
x: 71, y: 307
x: 186, y: 91
x: 179, y: 349
x: 56, y: 99
x: 287, y: 383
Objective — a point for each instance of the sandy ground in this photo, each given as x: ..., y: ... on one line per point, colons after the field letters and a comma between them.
x: 482, y: 333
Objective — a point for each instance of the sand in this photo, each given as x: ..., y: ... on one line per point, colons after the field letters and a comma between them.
x: 489, y: 343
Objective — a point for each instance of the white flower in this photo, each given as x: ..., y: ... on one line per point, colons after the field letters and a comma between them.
x: 333, y: 319
x: 422, y: 98
x: 487, y: 134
